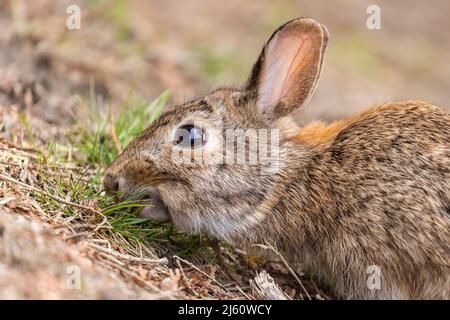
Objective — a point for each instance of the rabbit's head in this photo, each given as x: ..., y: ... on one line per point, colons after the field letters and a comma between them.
x: 209, y: 164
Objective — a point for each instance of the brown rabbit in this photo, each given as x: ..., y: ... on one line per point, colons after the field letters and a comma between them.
x: 362, y: 203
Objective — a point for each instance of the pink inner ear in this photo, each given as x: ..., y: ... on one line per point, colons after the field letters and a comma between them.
x: 284, y: 56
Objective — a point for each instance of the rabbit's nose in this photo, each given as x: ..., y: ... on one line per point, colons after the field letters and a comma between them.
x: 111, y: 184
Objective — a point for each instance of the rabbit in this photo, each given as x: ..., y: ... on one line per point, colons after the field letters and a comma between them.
x: 362, y: 203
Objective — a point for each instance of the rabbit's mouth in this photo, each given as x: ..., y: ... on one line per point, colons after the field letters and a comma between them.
x: 156, y: 211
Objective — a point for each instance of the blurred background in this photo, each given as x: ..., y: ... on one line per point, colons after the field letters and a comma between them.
x: 189, y: 47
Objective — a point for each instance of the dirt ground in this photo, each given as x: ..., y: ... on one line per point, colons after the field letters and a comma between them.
x: 188, y: 47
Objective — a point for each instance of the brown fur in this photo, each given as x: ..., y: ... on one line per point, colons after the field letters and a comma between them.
x: 370, y: 190
x: 319, y: 133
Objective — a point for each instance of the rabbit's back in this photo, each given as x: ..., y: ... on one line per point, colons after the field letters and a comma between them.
x: 415, y: 125
x: 387, y: 177
x: 405, y: 144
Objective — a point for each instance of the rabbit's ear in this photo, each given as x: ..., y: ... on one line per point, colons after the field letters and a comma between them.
x: 288, y: 68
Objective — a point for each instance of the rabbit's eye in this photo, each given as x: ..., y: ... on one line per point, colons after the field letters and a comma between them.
x: 190, y: 136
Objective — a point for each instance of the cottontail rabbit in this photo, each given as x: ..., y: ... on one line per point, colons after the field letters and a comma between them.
x: 362, y: 203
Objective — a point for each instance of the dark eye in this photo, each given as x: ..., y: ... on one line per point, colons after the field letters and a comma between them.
x: 189, y: 136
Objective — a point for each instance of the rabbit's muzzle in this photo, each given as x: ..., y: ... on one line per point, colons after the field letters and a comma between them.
x: 156, y: 210
x: 111, y: 184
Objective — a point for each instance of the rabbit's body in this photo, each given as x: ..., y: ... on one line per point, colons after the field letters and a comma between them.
x: 362, y: 203
x: 370, y: 191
